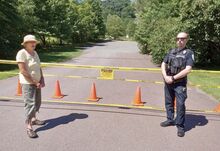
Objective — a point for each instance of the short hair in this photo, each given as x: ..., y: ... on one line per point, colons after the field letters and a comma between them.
x: 187, y: 34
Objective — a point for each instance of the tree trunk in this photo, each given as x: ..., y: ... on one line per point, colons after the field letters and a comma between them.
x: 43, y: 40
x: 61, y: 42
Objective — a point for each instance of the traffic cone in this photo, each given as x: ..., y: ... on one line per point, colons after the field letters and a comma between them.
x: 137, y: 100
x: 217, y: 109
x: 93, y: 97
x: 58, y: 94
x: 19, y: 89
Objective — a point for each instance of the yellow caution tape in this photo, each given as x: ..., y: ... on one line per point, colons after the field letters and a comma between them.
x: 158, y: 82
x: 101, y: 67
x: 130, y: 80
x: 73, y: 77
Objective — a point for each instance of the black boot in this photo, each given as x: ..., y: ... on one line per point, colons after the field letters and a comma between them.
x: 167, y: 123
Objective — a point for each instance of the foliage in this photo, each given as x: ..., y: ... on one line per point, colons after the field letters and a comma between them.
x: 91, y: 25
x: 130, y: 30
x: 69, y: 21
x: 115, y: 26
x: 124, y: 10
x: 158, y: 22
x: 10, y: 23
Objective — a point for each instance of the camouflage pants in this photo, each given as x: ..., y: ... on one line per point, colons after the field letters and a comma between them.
x: 32, y: 100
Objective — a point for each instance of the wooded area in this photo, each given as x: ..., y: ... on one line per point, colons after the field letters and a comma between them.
x: 158, y: 22
x: 65, y: 21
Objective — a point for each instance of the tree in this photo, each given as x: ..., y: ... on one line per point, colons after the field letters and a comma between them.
x: 159, y: 21
x: 131, y: 27
x: 26, y: 10
x: 203, y: 23
x: 44, y: 23
x: 60, y: 23
x: 115, y: 26
x: 98, y: 19
x: 121, y: 8
x: 157, y: 24
x: 90, y: 22
x: 10, y: 25
x: 70, y: 21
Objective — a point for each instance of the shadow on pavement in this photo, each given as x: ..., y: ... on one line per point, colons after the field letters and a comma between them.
x: 52, y: 123
x: 194, y: 120
x: 89, y: 44
x: 4, y: 100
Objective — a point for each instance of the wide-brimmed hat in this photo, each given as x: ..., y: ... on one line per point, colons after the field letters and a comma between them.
x: 29, y: 38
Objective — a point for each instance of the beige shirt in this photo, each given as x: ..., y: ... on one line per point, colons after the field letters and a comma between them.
x: 32, y: 64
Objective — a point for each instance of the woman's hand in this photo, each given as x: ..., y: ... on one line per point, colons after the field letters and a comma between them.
x: 37, y: 84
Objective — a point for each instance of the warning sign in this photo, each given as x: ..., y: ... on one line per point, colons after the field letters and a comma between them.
x: 106, y: 73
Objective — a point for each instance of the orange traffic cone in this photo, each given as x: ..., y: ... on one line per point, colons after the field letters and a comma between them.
x: 137, y: 100
x: 93, y: 97
x: 217, y: 109
x: 19, y: 89
x: 58, y: 94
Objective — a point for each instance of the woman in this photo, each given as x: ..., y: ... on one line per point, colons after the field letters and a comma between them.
x: 32, y: 80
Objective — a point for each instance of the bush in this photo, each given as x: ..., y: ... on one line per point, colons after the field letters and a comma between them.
x: 160, y: 21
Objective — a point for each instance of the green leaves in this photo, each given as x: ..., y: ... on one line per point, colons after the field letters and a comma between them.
x: 159, y: 21
x: 91, y: 23
x: 119, y: 16
x: 10, y: 23
x: 115, y: 26
x: 68, y: 21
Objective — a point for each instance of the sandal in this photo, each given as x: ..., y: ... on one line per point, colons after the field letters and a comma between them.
x: 38, y: 122
x: 31, y: 133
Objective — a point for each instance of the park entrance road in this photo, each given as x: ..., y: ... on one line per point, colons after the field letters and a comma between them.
x: 93, y: 128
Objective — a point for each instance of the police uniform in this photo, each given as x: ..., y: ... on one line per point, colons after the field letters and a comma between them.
x: 177, y: 60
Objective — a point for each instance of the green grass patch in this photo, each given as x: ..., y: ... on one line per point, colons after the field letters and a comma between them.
x: 7, y: 71
x: 59, y: 54
x: 207, y: 81
x: 6, y: 74
x: 54, y: 54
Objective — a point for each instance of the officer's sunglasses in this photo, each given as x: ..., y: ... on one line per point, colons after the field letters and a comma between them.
x: 177, y: 39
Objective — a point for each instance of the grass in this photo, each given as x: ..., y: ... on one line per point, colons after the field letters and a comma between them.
x: 6, y: 71
x: 207, y: 82
x: 59, y: 54
x: 54, y: 54
x: 6, y: 74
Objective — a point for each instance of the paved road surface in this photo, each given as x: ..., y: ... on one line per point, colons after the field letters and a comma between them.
x: 83, y: 128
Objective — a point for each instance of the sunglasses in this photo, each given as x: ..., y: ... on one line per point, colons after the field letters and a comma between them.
x: 177, y: 39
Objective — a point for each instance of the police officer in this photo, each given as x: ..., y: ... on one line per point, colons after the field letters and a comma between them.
x: 176, y: 65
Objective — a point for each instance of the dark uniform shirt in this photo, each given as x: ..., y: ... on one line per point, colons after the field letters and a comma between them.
x: 176, y: 60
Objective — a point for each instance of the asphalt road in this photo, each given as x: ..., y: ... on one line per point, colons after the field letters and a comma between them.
x: 82, y: 128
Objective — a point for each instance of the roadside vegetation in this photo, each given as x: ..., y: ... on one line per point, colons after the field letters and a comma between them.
x: 210, y: 83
